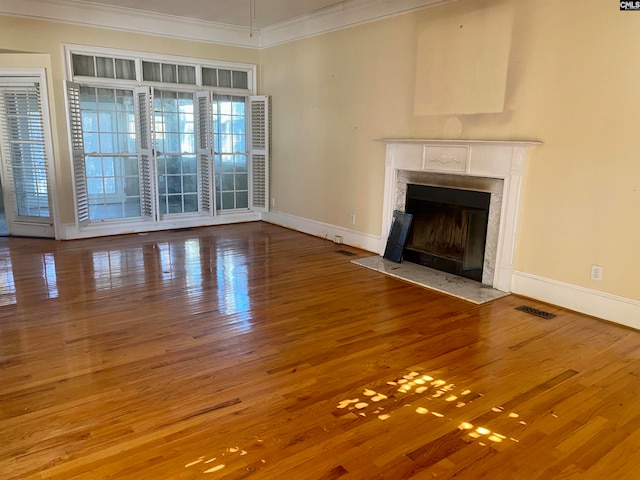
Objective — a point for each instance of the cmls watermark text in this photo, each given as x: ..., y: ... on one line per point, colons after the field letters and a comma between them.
x: 630, y: 5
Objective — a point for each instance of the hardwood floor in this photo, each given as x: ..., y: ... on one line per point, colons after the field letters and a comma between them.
x: 252, y: 351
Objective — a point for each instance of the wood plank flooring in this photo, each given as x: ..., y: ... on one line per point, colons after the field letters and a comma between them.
x: 254, y: 352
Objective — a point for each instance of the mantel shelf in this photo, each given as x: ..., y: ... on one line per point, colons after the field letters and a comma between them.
x: 435, y: 141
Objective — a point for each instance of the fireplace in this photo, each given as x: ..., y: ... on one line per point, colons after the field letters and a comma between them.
x: 493, y: 168
x: 449, y: 229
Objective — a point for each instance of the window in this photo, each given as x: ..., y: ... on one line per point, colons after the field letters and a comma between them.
x: 230, y: 150
x: 169, y: 150
x: 175, y: 152
x: 111, y: 161
x: 104, y: 67
x: 168, y: 73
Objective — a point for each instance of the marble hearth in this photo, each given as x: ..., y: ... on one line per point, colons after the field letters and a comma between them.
x: 496, y: 167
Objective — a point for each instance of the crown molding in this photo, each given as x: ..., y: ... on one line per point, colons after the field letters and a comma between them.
x: 131, y: 20
x: 347, y: 14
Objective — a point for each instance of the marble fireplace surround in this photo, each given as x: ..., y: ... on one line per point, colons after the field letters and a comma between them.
x: 483, y: 165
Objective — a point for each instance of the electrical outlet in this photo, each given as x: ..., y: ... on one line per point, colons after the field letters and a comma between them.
x: 352, y: 219
x: 273, y: 202
x: 596, y: 272
x: 337, y: 239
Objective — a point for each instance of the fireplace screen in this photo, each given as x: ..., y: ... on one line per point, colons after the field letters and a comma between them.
x: 449, y: 229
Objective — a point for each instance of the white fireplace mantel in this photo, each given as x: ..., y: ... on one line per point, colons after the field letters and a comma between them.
x: 503, y: 160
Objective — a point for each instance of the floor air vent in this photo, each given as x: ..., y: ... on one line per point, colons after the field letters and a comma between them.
x: 346, y: 253
x: 536, y: 312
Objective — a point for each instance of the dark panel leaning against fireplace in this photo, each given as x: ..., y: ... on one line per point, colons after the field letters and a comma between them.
x: 449, y: 229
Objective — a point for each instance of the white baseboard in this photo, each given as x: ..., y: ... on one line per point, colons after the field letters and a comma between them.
x: 350, y: 237
x: 614, y: 308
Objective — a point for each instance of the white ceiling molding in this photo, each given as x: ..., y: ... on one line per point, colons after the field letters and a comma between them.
x: 347, y: 14
x: 130, y: 20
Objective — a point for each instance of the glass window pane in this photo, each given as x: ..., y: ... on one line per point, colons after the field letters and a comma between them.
x: 227, y: 163
x: 172, y: 143
x: 132, y: 186
x: 109, y: 185
x: 241, y: 163
x: 125, y: 69
x: 240, y: 80
x: 126, y: 144
x: 93, y: 166
x: 95, y: 186
x: 91, y: 142
x: 106, y: 99
x: 190, y: 203
x: 104, y: 67
x: 169, y: 102
x: 132, y: 207
x: 189, y: 164
x: 225, y: 123
x: 131, y: 166
x: 174, y: 184
x: 187, y: 142
x: 97, y: 212
x: 209, y: 77
x: 114, y: 210
x: 173, y: 165
x: 242, y: 199
x: 187, y: 74
x: 241, y: 181
x: 90, y: 121
x: 162, y: 183
x: 169, y: 73
x: 239, y: 143
x: 227, y: 182
x: 190, y: 183
x: 224, y: 78
x: 175, y: 203
x: 225, y: 143
x: 107, y: 122
x: 83, y: 65
x: 107, y: 144
x: 162, y: 165
x: 228, y: 200
x: 239, y: 125
x: 224, y: 104
x: 151, y: 71
x: 108, y: 167
x: 163, y: 204
x: 238, y: 106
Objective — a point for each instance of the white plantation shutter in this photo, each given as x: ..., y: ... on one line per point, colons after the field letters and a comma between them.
x: 143, y: 101
x: 260, y: 126
x: 24, y: 149
x: 204, y: 149
x: 77, y: 153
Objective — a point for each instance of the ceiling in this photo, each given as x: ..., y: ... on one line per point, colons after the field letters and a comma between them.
x: 229, y: 12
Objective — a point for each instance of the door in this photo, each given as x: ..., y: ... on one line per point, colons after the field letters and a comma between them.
x: 25, y: 154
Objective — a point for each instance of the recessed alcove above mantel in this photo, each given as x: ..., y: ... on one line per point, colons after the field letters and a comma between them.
x: 492, y: 166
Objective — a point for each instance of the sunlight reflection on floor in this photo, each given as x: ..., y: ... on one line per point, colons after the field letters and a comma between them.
x: 424, y: 386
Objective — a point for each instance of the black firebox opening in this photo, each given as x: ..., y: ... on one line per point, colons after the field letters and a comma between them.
x: 449, y: 229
